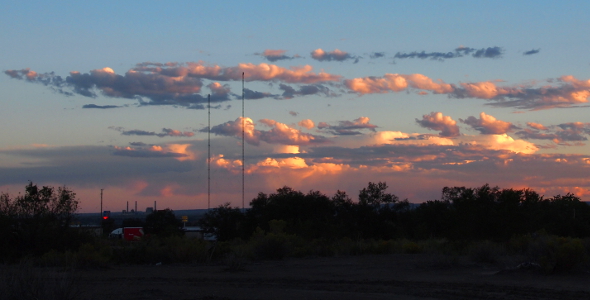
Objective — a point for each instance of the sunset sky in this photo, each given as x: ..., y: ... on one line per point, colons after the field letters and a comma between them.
x: 419, y: 94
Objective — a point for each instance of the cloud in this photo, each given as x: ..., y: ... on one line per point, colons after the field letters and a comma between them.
x: 283, y: 134
x: 170, y: 83
x: 234, y: 128
x: 490, y: 52
x: 437, y: 121
x: 275, y: 55
x: 154, y: 152
x: 348, y: 127
x: 573, y: 131
x: 568, y: 92
x: 415, y: 165
x: 504, y: 142
x: 293, y: 113
x: 289, y: 92
x: 337, y: 55
x: 401, y: 138
x: 423, y: 55
x: 253, y: 95
x: 307, y: 123
x: 396, y: 83
x: 278, y: 134
x: 219, y: 92
x: 536, y: 126
x: 377, y: 54
x: 559, y: 134
x: 531, y: 52
x: 100, y: 106
x: 268, y: 72
x: 487, y: 124
x: 165, y: 132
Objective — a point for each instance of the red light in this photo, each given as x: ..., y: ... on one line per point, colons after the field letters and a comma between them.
x: 105, y: 217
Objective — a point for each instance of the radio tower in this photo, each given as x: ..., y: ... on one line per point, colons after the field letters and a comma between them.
x: 209, y: 153
x: 243, y: 135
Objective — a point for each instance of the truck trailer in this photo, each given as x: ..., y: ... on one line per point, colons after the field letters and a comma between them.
x: 128, y: 233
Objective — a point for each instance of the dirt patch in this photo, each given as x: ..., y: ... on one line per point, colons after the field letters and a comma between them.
x: 395, y: 276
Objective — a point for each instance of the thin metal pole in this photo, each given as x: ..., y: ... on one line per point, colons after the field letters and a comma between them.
x: 209, y: 153
x: 101, y: 204
x: 243, y: 135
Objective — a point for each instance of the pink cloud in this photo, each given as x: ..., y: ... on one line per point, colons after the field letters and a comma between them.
x: 395, y: 83
x: 279, y: 133
x: 180, y: 152
x: 234, y: 128
x: 560, y: 134
x: 336, y: 55
x: 307, y: 123
x: 269, y: 52
x: 349, y: 127
x: 165, y: 132
x: 283, y: 134
x: 170, y: 83
x: 536, y: 126
x: 274, y: 55
x: 437, y: 121
x: 487, y: 124
x: 218, y: 89
x: 567, y: 93
x: 422, y: 82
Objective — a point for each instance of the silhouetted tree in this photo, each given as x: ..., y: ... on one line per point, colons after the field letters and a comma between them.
x: 163, y: 223
x: 567, y: 216
x: 374, y: 195
x: 38, y: 221
x: 433, y: 219
x: 224, y: 221
x: 308, y: 215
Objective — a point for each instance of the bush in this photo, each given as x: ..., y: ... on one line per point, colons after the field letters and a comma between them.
x: 172, y: 249
x: 93, y: 256
x: 485, y: 252
x: 557, y: 254
x: 412, y: 247
x: 272, y: 246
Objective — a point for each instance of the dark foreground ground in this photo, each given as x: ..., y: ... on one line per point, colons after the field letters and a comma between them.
x: 395, y: 276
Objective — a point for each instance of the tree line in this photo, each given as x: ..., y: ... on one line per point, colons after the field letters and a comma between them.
x: 38, y: 221
x: 480, y: 213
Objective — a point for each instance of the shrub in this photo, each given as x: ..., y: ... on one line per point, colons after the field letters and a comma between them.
x: 412, y: 247
x: 485, y: 252
x: 172, y: 249
x: 235, y: 260
x: 56, y: 258
x: 93, y: 256
x: 273, y: 245
x: 557, y: 254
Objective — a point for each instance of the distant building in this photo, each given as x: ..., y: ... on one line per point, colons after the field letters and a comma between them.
x: 149, y: 210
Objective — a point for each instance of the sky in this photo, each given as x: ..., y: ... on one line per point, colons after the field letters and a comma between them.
x: 421, y: 95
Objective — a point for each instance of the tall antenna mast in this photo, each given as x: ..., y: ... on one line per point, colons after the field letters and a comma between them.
x: 100, y: 204
x: 209, y: 152
x: 243, y: 135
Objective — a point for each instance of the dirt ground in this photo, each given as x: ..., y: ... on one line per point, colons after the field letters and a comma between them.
x: 395, y: 276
